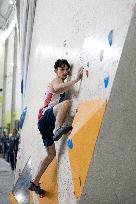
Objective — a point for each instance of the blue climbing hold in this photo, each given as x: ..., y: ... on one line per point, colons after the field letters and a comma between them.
x: 70, y: 143
x: 110, y: 37
x: 22, y: 118
x: 106, y: 81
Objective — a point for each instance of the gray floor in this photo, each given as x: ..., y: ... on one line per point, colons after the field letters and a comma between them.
x: 6, y: 181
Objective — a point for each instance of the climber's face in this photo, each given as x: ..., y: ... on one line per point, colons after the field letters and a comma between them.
x: 62, y: 72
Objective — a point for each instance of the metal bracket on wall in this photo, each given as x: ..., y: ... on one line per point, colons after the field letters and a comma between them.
x: 20, y: 190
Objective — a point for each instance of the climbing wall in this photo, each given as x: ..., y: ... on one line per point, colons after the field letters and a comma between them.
x: 82, y: 140
x: 111, y: 175
x: 89, y: 34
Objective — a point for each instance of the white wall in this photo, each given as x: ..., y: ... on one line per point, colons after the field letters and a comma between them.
x: 10, y: 64
x: 76, y: 30
x: 18, y: 91
x: 9, y: 78
x: 2, y: 48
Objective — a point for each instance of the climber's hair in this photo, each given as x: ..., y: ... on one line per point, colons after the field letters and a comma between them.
x: 60, y: 63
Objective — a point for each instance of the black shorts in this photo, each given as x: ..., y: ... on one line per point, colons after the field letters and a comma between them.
x: 46, y: 126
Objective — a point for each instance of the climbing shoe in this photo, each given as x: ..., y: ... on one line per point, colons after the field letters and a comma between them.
x: 60, y: 131
x: 37, y: 189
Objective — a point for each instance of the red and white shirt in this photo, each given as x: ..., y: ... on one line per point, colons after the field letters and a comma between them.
x: 51, y: 99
